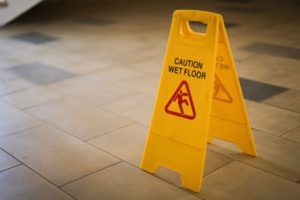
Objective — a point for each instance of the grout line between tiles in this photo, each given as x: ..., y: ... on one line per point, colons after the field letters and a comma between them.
x: 267, y: 172
x: 23, y: 130
x: 70, y: 97
x: 38, y: 104
x: 60, y: 186
x: 10, y: 167
x: 290, y: 140
x: 262, y: 102
x: 41, y: 104
x: 108, y: 132
x: 278, y: 136
x: 190, y: 192
x: 287, y: 132
x: 280, y: 107
x: 232, y: 160
x: 38, y: 174
x: 45, y: 122
x: 22, y: 90
x: 181, y: 188
x: 68, y: 133
x: 256, y: 167
x: 77, y: 138
x: 219, y: 168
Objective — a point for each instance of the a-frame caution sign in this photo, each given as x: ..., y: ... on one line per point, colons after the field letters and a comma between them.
x: 199, y: 99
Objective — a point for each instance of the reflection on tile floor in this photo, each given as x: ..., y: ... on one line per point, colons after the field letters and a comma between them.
x: 258, y: 91
x: 77, y: 92
x: 273, y: 49
x: 40, y: 73
x: 35, y: 38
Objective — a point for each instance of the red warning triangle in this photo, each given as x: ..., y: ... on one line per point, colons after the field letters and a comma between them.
x: 181, y: 103
x: 220, y: 92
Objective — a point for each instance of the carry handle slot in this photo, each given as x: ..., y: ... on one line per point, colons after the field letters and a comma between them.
x: 197, y: 27
x: 187, y: 20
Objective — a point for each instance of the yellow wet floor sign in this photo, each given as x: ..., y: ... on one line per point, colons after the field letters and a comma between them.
x: 199, y: 98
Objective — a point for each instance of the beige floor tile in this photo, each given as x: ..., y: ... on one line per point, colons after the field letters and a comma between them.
x: 71, y: 82
x: 289, y: 100
x: 75, y: 63
x: 249, y: 71
x: 138, y: 108
x: 5, y: 76
x: 274, y: 154
x: 239, y: 181
x: 293, y: 135
x: 6, y: 161
x: 13, y: 120
x: 125, y: 143
x: 150, y: 65
x: 100, y: 78
x: 114, y: 75
x: 270, y: 119
x: 96, y: 94
x: 128, y: 144
x: 280, y: 77
x: 21, y: 183
x: 126, y: 182
x: 14, y: 85
x: 273, y: 63
x: 147, y: 84
x: 56, y: 155
x: 214, y: 161
x: 31, y: 97
x: 238, y: 54
x: 79, y: 119
x: 283, y: 78
x: 286, y: 31
x: 11, y: 59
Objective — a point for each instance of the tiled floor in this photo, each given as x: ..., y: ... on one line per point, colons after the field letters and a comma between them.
x: 77, y: 87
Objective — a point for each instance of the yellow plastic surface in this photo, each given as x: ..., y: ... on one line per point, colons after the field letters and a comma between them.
x: 199, y: 98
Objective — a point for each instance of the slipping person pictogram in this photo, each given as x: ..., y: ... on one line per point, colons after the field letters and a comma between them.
x: 184, y: 107
x: 180, y: 99
x: 220, y: 92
